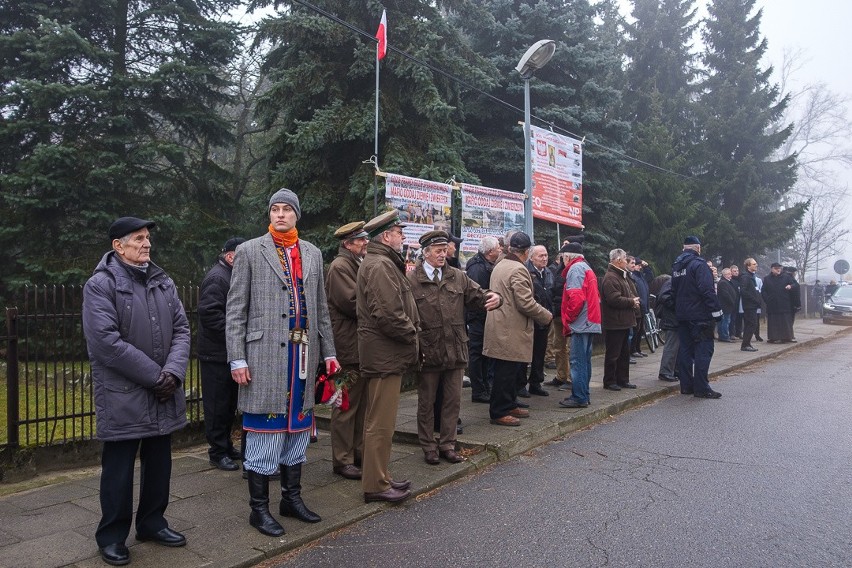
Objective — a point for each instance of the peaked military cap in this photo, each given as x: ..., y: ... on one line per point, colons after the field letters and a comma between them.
x: 383, y: 222
x: 434, y: 238
x: 353, y: 230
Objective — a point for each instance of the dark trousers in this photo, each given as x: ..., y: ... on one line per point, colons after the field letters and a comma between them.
x: 638, y: 335
x: 617, y: 357
x: 750, y: 323
x: 480, y: 368
x: 695, y: 352
x: 117, y: 461
x: 540, y: 339
x: 219, y: 395
x: 503, y: 393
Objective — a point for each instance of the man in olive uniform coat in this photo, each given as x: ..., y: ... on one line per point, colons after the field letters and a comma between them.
x: 441, y: 293
x: 388, y: 324
x: 347, y: 426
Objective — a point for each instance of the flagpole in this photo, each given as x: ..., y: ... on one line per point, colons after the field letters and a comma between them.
x: 376, y: 138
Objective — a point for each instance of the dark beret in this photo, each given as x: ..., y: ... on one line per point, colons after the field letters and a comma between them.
x: 232, y: 244
x: 126, y: 225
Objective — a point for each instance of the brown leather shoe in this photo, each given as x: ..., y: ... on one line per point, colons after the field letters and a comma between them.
x: 431, y: 457
x: 451, y: 456
x: 506, y: 421
x: 401, y: 485
x: 519, y: 413
x: 348, y: 471
x: 389, y: 495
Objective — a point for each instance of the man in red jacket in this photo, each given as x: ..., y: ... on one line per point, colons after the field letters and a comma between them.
x: 581, y: 320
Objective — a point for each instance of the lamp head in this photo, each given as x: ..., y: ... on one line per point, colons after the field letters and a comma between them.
x: 536, y: 57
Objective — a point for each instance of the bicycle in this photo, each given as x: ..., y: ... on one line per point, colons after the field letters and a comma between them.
x: 653, y: 335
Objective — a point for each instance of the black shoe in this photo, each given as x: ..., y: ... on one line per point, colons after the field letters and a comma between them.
x: 520, y: 404
x: 554, y: 383
x: 612, y: 387
x: 224, y: 463
x: 481, y: 399
x: 628, y: 386
x: 115, y: 554
x: 291, y: 495
x: 668, y: 379
x: 748, y: 348
x: 632, y: 361
x: 538, y: 391
x: 165, y: 537
x: 685, y: 392
x: 709, y: 394
x: 260, y: 517
x: 720, y: 340
x: 759, y: 339
x: 234, y: 453
x: 572, y: 403
x: 523, y: 393
x: 639, y: 354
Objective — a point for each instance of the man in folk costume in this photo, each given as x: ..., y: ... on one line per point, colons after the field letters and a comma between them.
x: 277, y: 329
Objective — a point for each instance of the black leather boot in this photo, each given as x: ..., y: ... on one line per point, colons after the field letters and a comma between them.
x: 260, y: 517
x: 291, y: 495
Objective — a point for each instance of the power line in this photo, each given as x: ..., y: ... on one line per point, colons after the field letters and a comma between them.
x: 494, y: 98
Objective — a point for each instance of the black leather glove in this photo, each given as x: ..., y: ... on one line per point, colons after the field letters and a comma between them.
x: 165, y: 386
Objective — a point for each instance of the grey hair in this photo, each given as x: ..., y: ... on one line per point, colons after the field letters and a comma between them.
x: 569, y: 256
x: 487, y: 244
x: 615, y: 254
x: 534, y: 248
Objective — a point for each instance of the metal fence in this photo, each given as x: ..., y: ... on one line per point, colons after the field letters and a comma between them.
x: 48, y: 383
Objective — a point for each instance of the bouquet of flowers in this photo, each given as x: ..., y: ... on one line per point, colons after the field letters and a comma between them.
x: 333, y: 390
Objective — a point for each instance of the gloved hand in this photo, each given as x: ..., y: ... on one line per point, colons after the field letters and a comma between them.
x: 165, y: 386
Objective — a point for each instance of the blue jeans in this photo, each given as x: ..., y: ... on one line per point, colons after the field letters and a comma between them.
x: 581, y: 366
x: 723, y: 327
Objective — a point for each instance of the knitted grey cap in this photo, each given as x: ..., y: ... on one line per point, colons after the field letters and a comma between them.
x: 284, y: 195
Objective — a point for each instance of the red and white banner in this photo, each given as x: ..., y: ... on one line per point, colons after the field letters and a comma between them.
x: 557, y: 178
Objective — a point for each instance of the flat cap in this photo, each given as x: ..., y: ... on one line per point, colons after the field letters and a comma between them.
x: 776, y: 265
x: 575, y: 248
x: 691, y: 240
x: 434, y: 238
x: 383, y: 222
x: 353, y: 230
x: 126, y: 225
x: 520, y: 240
x: 232, y: 244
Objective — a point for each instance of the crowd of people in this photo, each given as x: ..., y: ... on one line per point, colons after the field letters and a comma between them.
x: 271, y: 321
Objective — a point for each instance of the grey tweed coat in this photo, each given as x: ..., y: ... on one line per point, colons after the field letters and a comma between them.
x: 256, y: 327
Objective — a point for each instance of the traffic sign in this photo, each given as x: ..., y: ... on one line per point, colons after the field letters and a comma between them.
x: 841, y: 267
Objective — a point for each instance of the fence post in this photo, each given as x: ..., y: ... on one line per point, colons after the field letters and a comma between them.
x: 12, y: 394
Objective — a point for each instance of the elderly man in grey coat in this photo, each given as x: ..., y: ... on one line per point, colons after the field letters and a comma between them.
x: 276, y: 328
x: 138, y: 340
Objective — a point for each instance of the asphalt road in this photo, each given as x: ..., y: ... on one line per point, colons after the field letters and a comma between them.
x: 760, y: 477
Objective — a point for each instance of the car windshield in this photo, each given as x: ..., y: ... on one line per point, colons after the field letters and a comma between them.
x: 843, y: 292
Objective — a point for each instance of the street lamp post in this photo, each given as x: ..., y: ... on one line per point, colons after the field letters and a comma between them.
x: 534, y: 59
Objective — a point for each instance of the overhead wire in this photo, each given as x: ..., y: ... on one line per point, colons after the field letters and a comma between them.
x: 491, y: 97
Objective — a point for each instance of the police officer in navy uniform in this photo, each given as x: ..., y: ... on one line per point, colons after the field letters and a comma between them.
x: 697, y: 308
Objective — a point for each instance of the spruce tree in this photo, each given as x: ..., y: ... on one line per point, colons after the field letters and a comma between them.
x: 321, y: 105
x: 738, y: 105
x: 108, y: 111
x: 577, y: 91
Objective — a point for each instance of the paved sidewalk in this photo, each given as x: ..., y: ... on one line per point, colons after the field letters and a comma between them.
x: 53, y: 524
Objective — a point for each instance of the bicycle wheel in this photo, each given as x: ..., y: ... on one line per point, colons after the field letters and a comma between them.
x: 658, y: 333
x: 649, y: 333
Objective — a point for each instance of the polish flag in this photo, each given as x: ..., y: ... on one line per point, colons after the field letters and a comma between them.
x: 382, y: 36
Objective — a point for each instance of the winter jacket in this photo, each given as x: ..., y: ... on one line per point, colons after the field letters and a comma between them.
x: 749, y: 295
x: 340, y: 288
x: 443, y: 337
x: 256, y: 326
x: 557, y: 269
x: 212, y: 298
x: 664, y: 308
x: 777, y: 298
x: 641, y: 290
x: 135, y: 328
x: 388, y: 322
x: 694, y: 289
x: 617, y: 311
x: 542, y: 289
x: 509, y: 328
x: 727, y: 296
x: 479, y: 270
x: 580, y: 305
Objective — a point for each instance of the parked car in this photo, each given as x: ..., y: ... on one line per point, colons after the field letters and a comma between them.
x: 838, y: 307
